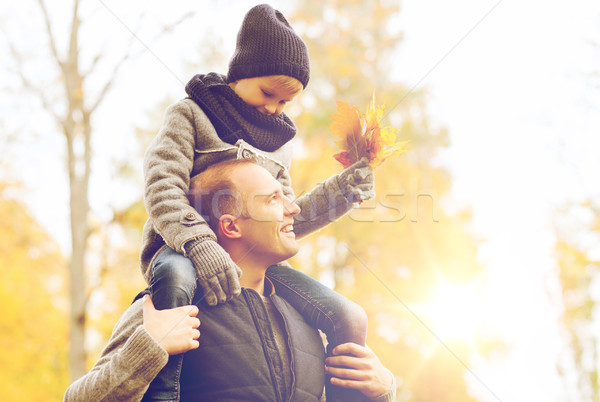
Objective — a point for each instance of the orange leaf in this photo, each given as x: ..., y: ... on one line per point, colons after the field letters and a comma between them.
x: 347, y: 124
x: 346, y: 121
x: 343, y: 158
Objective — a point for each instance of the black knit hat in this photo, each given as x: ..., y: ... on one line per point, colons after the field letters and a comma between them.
x: 267, y: 45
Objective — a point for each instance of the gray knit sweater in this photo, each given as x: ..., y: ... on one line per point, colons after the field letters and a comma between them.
x: 127, y: 366
x: 186, y: 145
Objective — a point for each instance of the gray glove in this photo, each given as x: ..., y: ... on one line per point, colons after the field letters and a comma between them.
x: 218, y: 275
x: 357, y: 181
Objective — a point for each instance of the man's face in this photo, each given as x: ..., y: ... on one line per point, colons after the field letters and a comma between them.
x: 266, y: 94
x: 267, y: 222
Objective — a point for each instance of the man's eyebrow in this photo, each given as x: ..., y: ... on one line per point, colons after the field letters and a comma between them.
x: 268, y: 195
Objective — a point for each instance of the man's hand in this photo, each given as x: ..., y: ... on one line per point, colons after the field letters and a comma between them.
x: 174, y: 329
x: 359, y: 369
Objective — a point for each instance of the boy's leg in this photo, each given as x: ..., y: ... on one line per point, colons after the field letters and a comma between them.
x: 339, y: 318
x: 173, y: 280
x: 173, y: 284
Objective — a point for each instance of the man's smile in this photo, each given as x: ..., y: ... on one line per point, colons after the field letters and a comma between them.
x: 289, y: 228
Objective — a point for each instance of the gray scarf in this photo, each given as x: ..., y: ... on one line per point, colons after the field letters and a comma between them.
x: 234, y: 119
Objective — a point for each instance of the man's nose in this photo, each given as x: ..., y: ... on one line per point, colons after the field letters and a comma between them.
x: 292, y: 208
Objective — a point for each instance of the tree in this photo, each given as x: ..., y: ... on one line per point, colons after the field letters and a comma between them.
x: 577, y: 233
x: 73, y: 100
x: 577, y: 255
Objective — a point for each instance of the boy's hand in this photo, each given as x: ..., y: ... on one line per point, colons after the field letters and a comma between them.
x: 175, y: 329
x: 359, y: 369
x: 222, y: 286
x: 218, y: 275
x: 357, y: 181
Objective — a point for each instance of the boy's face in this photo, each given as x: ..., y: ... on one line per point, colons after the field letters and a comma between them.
x: 269, y: 94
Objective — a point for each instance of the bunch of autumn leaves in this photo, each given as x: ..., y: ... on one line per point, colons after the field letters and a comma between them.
x: 361, y: 135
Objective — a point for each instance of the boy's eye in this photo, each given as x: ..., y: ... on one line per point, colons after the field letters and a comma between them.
x: 267, y: 94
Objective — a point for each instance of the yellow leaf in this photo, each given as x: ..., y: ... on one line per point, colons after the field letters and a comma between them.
x: 389, y: 151
x: 388, y: 135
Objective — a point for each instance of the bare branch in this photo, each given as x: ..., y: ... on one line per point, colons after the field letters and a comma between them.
x: 171, y: 27
x: 100, y: 55
x: 128, y: 55
x: 109, y: 83
x: 50, y: 34
x: 73, y: 39
x: 93, y: 63
x: 27, y: 84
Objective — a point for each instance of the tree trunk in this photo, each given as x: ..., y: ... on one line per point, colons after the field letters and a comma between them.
x: 74, y: 119
x: 77, y: 132
x: 79, y: 228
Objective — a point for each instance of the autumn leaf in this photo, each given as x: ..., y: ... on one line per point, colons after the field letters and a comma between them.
x: 361, y: 135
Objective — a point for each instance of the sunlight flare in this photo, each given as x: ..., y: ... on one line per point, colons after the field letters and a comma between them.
x: 454, y: 311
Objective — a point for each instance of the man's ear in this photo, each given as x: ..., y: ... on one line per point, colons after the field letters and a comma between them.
x: 229, y: 227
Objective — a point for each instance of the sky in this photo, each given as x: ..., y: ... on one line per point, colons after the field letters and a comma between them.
x: 511, y: 81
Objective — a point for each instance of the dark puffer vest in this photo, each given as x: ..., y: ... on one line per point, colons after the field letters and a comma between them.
x: 238, y: 359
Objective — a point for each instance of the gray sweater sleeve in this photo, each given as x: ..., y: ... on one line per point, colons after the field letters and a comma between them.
x: 390, y: 395
x: 322, y: 205
x: 127, y: 366
x: 168, y: 164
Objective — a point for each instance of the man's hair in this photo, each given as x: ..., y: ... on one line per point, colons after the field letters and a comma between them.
x: 213, y: 194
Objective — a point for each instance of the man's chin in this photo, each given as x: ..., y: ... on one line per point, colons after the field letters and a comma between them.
x: 289, y: 253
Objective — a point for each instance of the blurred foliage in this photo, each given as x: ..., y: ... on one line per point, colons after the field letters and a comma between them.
x: 577, y: 253
x: 115, y: 274
x: 33, y: 290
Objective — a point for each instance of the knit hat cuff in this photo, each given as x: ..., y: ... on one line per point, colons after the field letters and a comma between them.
x: 241, y: 71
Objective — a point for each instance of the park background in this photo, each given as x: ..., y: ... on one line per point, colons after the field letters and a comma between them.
x: 477, y: 261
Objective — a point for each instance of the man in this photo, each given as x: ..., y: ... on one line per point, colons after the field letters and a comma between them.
x: 256, y: 347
